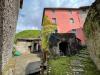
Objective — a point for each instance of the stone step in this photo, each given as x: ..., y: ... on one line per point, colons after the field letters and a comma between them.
x: 76, y: 63
x: 78, y: 70
x: 83, y: 56
x: 84, y: 52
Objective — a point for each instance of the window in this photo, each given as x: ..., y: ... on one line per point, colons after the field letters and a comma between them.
x: 54, y: 20
x: 53, y: 11
x: 71, y: 20
x: 70, y: 11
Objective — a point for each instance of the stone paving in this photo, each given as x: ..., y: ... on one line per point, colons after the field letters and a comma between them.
x: 22, y: 63
x: 76, y: 64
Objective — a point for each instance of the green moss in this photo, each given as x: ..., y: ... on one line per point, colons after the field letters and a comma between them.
x: 90, y: 67
x: 60, y: 66
x: 27, y: 34
x: 92, y: 23
x: 92, y: 30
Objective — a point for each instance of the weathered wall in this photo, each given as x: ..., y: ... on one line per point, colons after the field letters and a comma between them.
x: 63, y: 19
x: 92, y: 31
x: 22, y: 47
x: 8, y: 18
x: 1, y: 27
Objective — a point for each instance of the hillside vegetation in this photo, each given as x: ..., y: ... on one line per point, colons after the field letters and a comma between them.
x: 28, y: 34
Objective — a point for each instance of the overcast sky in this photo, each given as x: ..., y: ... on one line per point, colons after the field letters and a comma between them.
x: 30, y: 16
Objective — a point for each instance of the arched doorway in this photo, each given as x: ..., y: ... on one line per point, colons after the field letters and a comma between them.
x: 63, y: 47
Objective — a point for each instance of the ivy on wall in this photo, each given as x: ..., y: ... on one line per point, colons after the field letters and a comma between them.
x: 92, y: 23
x: 92, y: 31
x: 48, y: 28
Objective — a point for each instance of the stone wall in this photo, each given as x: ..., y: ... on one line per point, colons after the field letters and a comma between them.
x: 92, y: 31
x: 94, y: 49
x: 1, y: 30
x: 22, y: 46
x: 8, y: 20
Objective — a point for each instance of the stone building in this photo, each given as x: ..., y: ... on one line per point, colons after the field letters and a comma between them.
x: 28, y: 45
x: 68, y: 20
x: 69, y: 23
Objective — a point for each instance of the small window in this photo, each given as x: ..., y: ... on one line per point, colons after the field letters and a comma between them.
x: 54, y: 20
x: 70, y: 11
x: 53, y: 11
x: 71, y: 20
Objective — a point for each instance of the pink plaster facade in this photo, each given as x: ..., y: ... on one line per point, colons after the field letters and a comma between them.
x: 67, y: 20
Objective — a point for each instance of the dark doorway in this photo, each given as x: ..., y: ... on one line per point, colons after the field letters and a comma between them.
x: 35, y: 46
x: 63, y: 46
x: 30, y: 48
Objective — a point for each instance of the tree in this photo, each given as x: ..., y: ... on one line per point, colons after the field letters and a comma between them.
x: 47, y: 29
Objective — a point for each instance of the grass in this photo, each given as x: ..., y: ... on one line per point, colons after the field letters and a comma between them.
x: 60, y: 66
x: 28, y: 34
x: 90, y: 68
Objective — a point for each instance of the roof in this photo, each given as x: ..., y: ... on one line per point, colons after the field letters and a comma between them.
x: 29, y: 39
x: 85, y: 7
